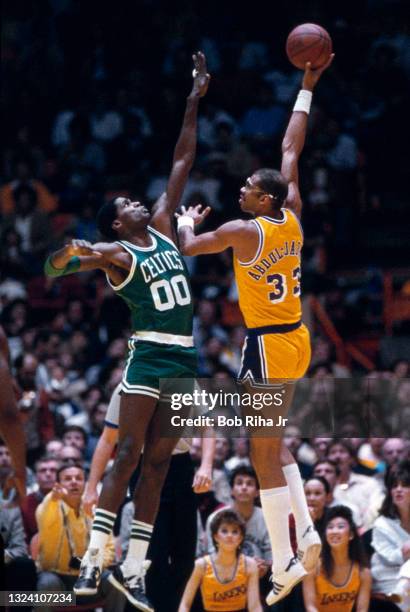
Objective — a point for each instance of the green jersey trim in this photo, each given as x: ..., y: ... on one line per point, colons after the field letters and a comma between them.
x: 140, y: 248
x: 166, y: 238
x: 161, y: 338
x: 131, y: 272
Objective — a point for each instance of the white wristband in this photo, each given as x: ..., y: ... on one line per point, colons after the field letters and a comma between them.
x: 185, y: 221
x: 303, y: 101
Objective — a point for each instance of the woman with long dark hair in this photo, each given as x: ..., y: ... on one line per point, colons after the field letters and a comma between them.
x: 342, y: 581
x: 391, y: 536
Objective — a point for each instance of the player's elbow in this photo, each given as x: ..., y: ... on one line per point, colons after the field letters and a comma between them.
x: 183, y: 164
x: 288, y: 148
x: 188, y: 248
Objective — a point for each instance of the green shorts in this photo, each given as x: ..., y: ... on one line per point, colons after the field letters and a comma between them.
x: 149, y: 362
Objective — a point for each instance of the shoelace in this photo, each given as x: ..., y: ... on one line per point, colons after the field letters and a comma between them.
x: 290, y: 564
x: 300, y: 553
x: 136, y: 582
x: 89, y: 571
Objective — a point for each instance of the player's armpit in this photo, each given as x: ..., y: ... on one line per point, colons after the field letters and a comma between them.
x: 294, y: 201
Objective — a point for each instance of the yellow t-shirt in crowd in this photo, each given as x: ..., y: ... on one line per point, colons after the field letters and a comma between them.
x: 54, y: 548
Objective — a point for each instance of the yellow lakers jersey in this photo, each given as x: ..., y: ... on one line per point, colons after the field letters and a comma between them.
x: 220, y: 596
x: 333, y: 598
x: 269, y: 284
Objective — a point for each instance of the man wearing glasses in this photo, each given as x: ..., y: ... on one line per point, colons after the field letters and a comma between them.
x: 276, y: 352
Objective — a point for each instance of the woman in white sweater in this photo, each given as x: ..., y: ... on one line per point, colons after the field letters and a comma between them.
x: 391, y: 534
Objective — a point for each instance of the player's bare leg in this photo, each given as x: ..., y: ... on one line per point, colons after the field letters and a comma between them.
x: 129, y: 578
x: 281, y: 489
x: 135, y: 415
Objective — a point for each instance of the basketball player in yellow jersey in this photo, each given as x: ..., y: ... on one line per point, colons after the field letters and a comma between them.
x: 267, y: 257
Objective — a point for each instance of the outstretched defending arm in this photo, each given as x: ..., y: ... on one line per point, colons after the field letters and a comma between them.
x: 294, y: 138
x: 81, y: 255
x: 184, y: 153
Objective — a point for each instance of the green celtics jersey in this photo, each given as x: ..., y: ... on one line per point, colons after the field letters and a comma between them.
x: 157, y: 289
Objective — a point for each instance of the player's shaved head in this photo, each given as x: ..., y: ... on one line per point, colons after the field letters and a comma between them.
x: 273, y: 183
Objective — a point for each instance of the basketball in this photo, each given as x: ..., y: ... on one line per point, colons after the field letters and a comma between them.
x: 308, y: 42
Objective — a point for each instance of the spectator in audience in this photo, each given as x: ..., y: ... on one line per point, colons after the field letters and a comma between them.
x: 74, y: 435
x: 47, y: 202
x: 393, y: 451
x: 302, y: 452
x: 317, y: 491
x: 320, y: 446
x: 265, y: 119
x: 45, y: 470
x: 54, y: 448
x: 240, y: 454
x: 97, y: 418
x: 32, y: 225
x: 63, y: 533
x: 363, y: 491
x: 370, y: 454
x: 245, y: 492
x: 342, y: 581
x: 330, y: 471
x: 19, y: 570
x: 71, y: 454
x: 226, y: 576
x: 391, y: 534
x: 8, y: 492
x: 34, y: 406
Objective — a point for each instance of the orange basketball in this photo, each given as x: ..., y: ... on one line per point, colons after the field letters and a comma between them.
x: 308, y: 42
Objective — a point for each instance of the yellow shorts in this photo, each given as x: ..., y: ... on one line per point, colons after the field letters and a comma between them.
x: 269, y: 357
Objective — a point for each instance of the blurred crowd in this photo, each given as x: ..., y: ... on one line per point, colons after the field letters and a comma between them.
x: 92, y: 100
x: 45, y: 534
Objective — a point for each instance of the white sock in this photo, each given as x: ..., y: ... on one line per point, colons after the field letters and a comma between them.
x: 275, y: 507
x: 298, y: 502
x: 101, y: 530
x: 137, y: 549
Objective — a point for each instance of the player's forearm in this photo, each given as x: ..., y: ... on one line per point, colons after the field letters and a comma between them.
x: 186, y: 144
x: 295, y: 135
x: 208, y: 451
x: 101, y: 457
x: 186, y: 239
x: 61, y: 262
x: 60, y: 258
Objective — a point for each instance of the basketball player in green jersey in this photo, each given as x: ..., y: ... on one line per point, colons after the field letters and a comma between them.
x: 144, y: 267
